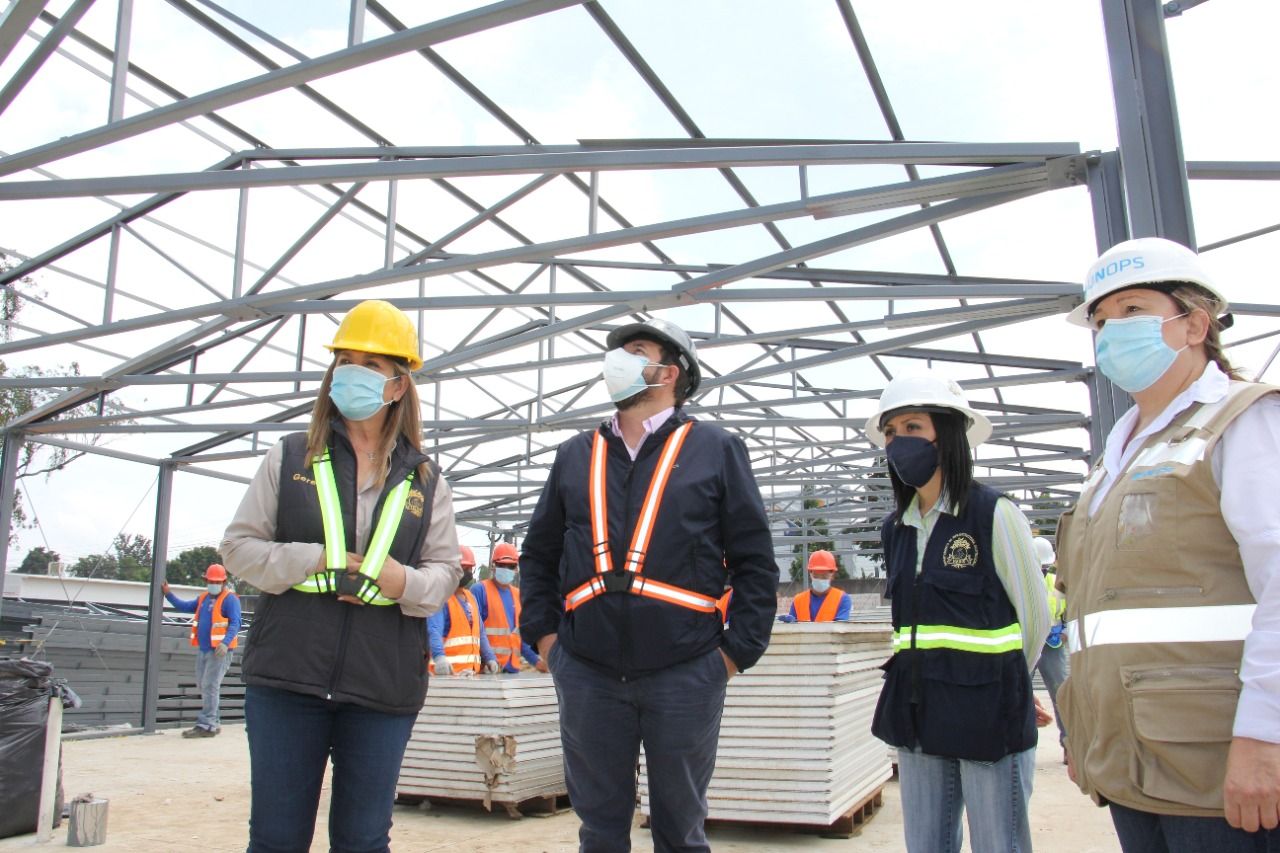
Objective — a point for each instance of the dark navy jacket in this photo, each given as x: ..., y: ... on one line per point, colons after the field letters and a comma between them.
x: 711, y: 514
x: 947, y: 702
x: 371, y: 655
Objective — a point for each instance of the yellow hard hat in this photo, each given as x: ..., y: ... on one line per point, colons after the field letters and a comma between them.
x: 377, y: 326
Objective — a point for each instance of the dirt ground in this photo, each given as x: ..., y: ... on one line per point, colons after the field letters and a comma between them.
x: 168, y: 794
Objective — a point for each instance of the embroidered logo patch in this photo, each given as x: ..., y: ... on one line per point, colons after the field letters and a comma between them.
x: 961, y: 552
x: 414, y: 505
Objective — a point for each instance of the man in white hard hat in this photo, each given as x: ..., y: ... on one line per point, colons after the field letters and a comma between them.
x: 638, y: 527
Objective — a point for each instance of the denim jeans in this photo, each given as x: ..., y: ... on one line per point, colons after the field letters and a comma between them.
x: 675, y: 713
x: 935, y: 791
x: 210, y: 668
x: 1053, y: 669
x: 1144, y: 832
x: 291, y: 738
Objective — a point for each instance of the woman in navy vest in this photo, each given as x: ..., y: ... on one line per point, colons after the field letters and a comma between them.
x: 348, y: 530
x: 969, y: 618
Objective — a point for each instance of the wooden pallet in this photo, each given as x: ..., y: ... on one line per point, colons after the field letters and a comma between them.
x: 544, y: 806
x: 842, y: 827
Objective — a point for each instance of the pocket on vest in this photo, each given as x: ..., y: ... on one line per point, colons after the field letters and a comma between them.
x: 1182, y: 718
x: 966, y: 710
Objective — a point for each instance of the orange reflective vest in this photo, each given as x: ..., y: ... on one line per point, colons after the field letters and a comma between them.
x: 630, y: 578
x: 462, y: 643
x: 503, y: 638
x: 826, y: 613
x: 218, y: 628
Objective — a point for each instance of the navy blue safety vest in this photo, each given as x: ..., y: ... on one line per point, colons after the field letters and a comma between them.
x: 317, y: 645
x: 957, y: 685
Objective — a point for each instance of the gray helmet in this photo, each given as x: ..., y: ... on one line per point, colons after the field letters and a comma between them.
x: 668, y: 333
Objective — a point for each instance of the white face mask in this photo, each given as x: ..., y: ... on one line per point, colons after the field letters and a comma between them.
x: 504, y: 576
x: 214, y: 588
x: 624, y: 374
x: 820, y: 585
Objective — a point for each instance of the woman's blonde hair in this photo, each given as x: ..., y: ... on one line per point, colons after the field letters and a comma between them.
x: 1192, y: 296
x: 404, y: 418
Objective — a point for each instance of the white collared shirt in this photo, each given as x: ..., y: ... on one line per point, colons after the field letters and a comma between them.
x: 650, y: 427
x: 1246, y: 462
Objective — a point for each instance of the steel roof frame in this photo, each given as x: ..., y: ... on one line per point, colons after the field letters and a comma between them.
x: 544, y: 306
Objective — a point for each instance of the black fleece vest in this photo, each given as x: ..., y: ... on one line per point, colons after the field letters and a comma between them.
x: 310, y: 643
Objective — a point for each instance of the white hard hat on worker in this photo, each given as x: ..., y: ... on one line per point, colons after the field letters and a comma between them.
x: 1143, y: 262
x: 922, y: 393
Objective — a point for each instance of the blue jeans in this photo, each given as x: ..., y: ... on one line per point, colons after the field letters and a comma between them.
x: 291, y: 738
x: 1053, y: 669
x: 935, y: 791
x: 675, y: 713
x: 1143, y: 832
x: 210, y: 668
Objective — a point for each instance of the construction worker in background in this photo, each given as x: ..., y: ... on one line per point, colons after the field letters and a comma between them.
x: 1171, y: 569
x: 214, y: 633
x: 499, y: 603
x: 969, y: 618
x: 1052, y: 665
x: 455, y: 633
x: 348, y: 530
x: 820, y: 602
x: 624, y: 560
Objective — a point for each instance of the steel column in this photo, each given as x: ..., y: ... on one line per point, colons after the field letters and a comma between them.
x: 1155, y: 174
x: 155, y: 617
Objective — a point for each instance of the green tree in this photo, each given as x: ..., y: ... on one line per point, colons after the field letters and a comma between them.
x: 37, y: 561
x: 36, y: 459
x: 96, y: 566
x: 133, y: 557
x: 814, y: 527
x: 189, y: 566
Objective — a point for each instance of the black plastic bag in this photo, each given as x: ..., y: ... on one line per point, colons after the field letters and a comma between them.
x: 25, y: 689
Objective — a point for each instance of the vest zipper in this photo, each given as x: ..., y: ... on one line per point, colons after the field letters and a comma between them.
x: 1113, y: 593
x: 1133, y: 679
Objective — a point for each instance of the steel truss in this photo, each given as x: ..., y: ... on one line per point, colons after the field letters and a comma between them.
x: 223, y: 333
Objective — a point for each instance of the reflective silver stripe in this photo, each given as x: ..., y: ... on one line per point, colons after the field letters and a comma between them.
x: 599, y: 521
x: 464, y: 640
x: 497, y: 632
x: 1218, y: 623
x: 649, y: 511
x: 1186, y: 452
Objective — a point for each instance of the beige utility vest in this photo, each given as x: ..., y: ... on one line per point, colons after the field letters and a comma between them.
x: 1157, y: 612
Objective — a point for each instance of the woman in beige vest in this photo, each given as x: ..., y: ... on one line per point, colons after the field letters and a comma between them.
x: 1170, y: 562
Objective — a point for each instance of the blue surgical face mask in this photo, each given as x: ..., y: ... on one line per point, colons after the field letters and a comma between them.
x: 624, y: 374
x: 1132, y: 352
x: 214, y: 588
x: 357, y: 391
x: 913, y: 459
x: 504, y: 576
x: 820, y: 585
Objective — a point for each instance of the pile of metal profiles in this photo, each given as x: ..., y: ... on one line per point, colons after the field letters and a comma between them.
x: 494, y: 738
x: 103, y: 658
x: 795, y: 740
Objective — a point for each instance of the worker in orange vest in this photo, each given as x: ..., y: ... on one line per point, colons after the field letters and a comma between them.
x: 820, y: 602
x: 454, y: 633
x: 500, y: 610
x: 214, y: 633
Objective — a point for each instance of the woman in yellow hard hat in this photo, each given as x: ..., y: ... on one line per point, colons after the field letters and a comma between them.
x: 348, y: 530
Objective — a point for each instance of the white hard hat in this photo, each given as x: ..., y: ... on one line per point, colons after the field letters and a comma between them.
x: 1134, y: 263
x: 1044, y: 551
x: 927, y: 391
x: 667, y: 332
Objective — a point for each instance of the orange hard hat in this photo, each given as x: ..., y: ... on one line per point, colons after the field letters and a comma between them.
x: 822, y: 561
x: 467, y: 557
x: 215, y: 572
x: 505, y: 554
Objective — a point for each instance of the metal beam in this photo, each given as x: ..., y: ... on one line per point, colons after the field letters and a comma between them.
x: 437, y: 32
x: 1022, y: 169
x: 17, y: 19
x: 22, y: 76
x: 159, y: 561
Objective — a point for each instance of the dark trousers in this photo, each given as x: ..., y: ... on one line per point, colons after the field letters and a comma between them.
x: 291, y: 738
x: 675, y: 713
x: 1144, y: 832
